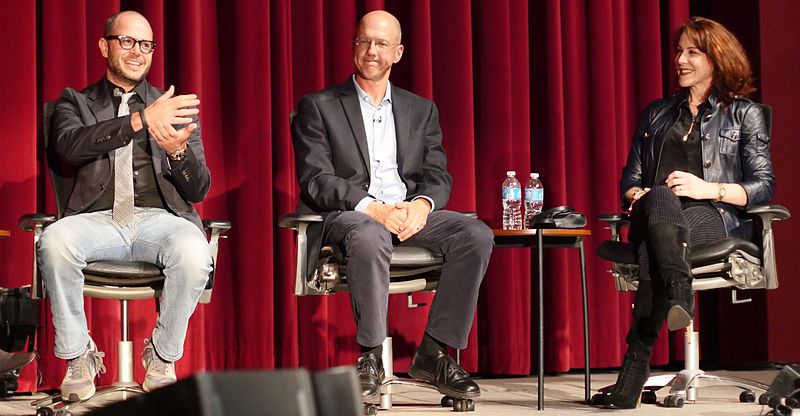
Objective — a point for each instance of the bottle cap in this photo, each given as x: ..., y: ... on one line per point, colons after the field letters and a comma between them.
x: 534, y: 175
x: 511, y: 173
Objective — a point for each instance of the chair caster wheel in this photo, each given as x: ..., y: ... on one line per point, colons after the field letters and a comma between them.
x: 673, y: 400
x: 463, y: 405
x: 782, y: 410
x: 44, y: 411
x: 370, y: 409
x: 793, y: 403
x: 447, y: 401
x: 649, y: 397
x: 598, y: 399
x: 747, y: 396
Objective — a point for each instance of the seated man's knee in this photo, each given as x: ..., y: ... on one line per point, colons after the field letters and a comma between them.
x: 480, y: 235
x: 368, y: 237
x: 57, y: 243
x: 192, y: 255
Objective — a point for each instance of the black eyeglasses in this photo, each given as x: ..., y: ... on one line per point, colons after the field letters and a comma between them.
x: 127, y: 42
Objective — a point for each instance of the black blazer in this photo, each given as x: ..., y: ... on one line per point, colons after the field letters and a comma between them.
x: 332, y: 156
x: 85, y: 131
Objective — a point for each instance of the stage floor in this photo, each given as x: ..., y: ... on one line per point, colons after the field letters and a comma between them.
x: 517, y: 396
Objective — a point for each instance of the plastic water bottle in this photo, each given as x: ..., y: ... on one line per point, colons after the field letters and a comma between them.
x: 512, y: 202
x: 534, y: 199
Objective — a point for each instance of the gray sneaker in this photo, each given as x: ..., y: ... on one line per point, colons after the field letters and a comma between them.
x: 159, y: 373
x: 78, y: 382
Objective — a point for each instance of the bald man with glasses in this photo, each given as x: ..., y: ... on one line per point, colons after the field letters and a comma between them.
x: 136, y: 160
x: 369, y: 159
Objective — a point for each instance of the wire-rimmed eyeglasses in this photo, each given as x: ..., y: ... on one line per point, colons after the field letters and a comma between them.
x: 380, y: 44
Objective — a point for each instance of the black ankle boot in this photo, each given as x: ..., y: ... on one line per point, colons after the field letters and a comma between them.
x: 634, y: 373
x: 669, y: 246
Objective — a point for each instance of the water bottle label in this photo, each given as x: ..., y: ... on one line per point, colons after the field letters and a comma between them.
x: 512, y: 193
x: 534, y: 194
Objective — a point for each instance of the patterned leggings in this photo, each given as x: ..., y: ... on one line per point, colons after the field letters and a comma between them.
x: 661, y: 205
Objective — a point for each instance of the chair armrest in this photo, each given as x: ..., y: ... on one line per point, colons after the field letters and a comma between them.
x: 216, y: 229
x: 615, y: 217
x: 299, y: 223
x: 30, y: 222
x: 616, y: 222
x: 220, y: 225
x: 770, y: 212
x: 35, y: 223
x: 294, y: 219
x: 766, y: 214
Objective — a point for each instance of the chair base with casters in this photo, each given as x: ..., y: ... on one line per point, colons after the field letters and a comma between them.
x: 684, y: 385
x: 727, y: 263
x: 391, y: 380
x: 123, y: 281
x: 412, y: 269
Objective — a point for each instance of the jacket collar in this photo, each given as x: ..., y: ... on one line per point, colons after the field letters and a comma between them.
x: 713, y: 98
x: 99, y: 97
x: 352, y: 110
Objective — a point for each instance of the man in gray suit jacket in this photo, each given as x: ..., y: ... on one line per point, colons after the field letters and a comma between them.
x: 130, y: 198
x: 369, y: 158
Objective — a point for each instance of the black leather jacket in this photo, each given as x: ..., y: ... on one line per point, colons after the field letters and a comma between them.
x: 735, y: 144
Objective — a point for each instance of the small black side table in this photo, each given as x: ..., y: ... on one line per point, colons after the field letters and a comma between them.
x: 551, y: 238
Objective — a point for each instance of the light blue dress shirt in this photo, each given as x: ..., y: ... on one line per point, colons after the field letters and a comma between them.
x: 385, y: 182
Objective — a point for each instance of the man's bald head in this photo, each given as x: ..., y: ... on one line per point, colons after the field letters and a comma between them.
x: 381, y: 18
x: 111, y: 22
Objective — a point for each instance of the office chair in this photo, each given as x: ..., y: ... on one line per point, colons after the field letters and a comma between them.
x: 727, y: 263
x: 412, y: 269
x: 121, y: 280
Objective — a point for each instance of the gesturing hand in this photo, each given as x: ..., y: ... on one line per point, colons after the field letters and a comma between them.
x: 172, y: 109
x: 169, y: 139
x: 688, y: 185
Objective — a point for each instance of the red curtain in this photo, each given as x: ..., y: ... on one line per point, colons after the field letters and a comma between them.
x: 550, y: 86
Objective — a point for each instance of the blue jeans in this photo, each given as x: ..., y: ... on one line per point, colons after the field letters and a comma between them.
x: 159, y: 237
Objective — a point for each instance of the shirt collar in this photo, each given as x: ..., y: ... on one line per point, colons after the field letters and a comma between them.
x: 362, y: 95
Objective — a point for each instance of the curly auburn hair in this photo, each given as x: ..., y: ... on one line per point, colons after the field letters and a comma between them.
x: 732, y: 76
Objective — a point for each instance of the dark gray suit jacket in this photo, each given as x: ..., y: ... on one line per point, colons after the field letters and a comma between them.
x: 85, y: 131
x: 332, y: 156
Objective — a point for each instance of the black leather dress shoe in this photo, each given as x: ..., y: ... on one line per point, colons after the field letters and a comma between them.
x: 443, y: 371
x: 370, y: 374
